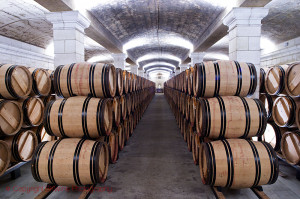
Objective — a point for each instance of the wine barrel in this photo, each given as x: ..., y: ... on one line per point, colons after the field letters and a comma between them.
x: 51, y: 73
x: 41, y: 134
x: 11, y: 117
x: 190, y: 80
x: 70, y: 162
x: 126, y: 130
x: 224, y: 78
x: 5, y: 156
x: 284, y: 111
x: 22, y: 145
x: 85, y: 79
x: 193, y: 106
x: 298, y: 117
x: 121, y: 136
x: 41, y: 82
x: 116, y: 107
x: 79, y: 117
x: 47, y: 99
x: 189, y: 135
x: 195, y: 148
x: 113, y: 146
x: 125, y: 82
x: 119, y: 81
x: 262, y: 88
x: 292, y: 80
x: 15, y: 81
x: 123, y: 105
x: 272, y: 135
x: 237, y: 163
x: 290, y: 147
x: 33, y: 110
x: 274, y: 80
x: 268, y: 101
x: 231, y: 117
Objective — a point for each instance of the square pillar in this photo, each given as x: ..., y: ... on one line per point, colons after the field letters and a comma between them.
x: 141, y: 72
x: 68, y: 36
x: 244, y: 36
x: 134, y: 69
x: 196, y: 57
x: 183, y: 67
x: 119, y: 60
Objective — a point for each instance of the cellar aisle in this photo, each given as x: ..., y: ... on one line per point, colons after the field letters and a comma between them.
x: 154, y: 164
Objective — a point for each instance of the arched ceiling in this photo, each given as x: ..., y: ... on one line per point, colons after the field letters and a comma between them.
x: 151, y: 31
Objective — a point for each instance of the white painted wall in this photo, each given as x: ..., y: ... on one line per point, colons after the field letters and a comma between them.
x: 283, y: 53
x: 17, y: 52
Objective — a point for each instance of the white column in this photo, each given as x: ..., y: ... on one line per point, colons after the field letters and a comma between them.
x: 244, y: 36
x: 134, y: 69
x: 119, y: 60
x: 183, y: 67
x: 177, y: 71
x: 196, y: 57
x: 68, y: 36
x: 141, y: 72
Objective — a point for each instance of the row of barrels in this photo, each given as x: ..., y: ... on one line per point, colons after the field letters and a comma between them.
x: 94, y: 153
x: 281, y: 80
x: 224, y: 162
x: 96, y: 80
x: 218, y: 78
x: 99, y: 108
x: 20, y: 82
x: 77, y: 79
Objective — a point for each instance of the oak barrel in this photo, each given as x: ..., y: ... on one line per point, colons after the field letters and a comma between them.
x: 125, y: 82
x: 121, y: 136
x: 262, y: 77
x: 292, y: 79
x: 5, y: 156
x: 70, y: 162
x: 231, y: 117
x: 272, y: 135
x: 33, y: 110
x: 41, y: 134
x: 79, y: 117
x: 238, y: 163
x: 22, y: 145
x: 274, y: 80
x: 290, y: 147
x: 113, y: 146
x: 85, y: 79
x: 41, y: 81
x: 116, y: 107
x: 15, y: 81
x: 224, y: 78
x: 11, y: 117
x: 119, y: 82
x: 284, y: 111
x: 268, y: 101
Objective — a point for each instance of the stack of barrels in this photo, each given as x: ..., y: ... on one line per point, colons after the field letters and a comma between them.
x: 98, y: 109
x: 24, y: 93
x: 217, y: 121
x: 280, y: 94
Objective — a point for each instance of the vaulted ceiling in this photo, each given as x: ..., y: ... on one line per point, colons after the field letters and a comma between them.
x: 154, y: 33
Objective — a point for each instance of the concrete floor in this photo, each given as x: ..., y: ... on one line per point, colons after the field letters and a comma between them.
x: 154, y: 164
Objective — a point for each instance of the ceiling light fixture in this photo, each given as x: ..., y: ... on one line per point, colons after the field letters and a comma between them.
x: 159, y: 63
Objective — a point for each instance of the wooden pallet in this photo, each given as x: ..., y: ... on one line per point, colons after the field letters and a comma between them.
x: 14, y: 170
x: 218, y: 192
x: 297, y: 167
x: 50, y: 188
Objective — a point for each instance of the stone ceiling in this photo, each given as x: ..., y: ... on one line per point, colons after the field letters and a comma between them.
x: 151, y: 31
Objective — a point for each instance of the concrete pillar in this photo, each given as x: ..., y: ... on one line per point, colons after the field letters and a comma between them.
x: 134, y: 69
x: 183, y: 67
x: 68, y: 36
x: 119, y: 60
x: 177, y: 71
x: 196, y: 57
x: 141, y: 72
x: 244, y: 36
